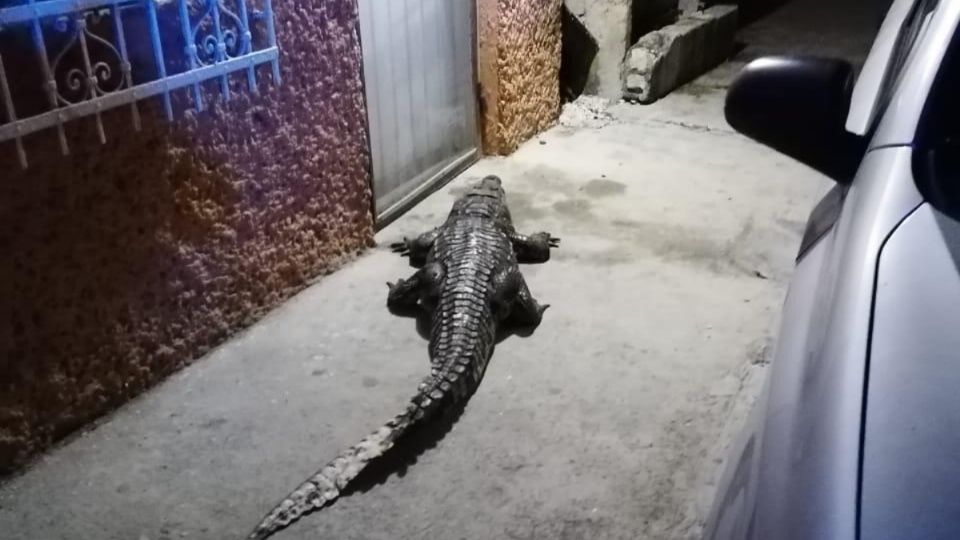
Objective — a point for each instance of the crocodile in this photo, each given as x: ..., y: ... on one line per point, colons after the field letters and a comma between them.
x: 469, y: 284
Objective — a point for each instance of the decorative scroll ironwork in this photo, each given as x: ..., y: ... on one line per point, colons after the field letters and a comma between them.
x: 220, y: 34
x: 90, y: 74
x: 84, y: 60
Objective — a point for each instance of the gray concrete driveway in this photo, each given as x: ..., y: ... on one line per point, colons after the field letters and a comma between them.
x: 608, y: 422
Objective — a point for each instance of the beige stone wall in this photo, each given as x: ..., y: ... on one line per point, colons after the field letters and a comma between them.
x: 519, y: 70
x: 124, y: 262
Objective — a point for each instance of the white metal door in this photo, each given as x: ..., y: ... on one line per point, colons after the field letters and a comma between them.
x: 419, y: 70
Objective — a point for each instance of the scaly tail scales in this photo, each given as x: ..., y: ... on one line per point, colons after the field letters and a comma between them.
x: 326, y: 485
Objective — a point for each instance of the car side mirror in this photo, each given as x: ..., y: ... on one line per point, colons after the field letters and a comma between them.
x: 798, y: 106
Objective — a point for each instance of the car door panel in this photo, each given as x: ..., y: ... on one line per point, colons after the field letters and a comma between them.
x: 910, y: 487
x: 804, y: 447
x: 734, y: 511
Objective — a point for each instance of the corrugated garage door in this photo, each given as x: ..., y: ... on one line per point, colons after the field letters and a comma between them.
x: 418, y: 58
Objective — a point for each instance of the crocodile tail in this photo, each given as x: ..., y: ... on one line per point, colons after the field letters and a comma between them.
x: 326, y: 485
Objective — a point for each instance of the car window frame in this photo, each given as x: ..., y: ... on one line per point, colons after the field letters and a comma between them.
x: 914, y: 26
x: 864, y: 96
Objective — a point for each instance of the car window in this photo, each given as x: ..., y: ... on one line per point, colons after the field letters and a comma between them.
x: 937, y: 154
x: 942, y: 126
x: 913, y: 27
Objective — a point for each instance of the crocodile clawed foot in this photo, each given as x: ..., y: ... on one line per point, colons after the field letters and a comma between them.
x: 546, y: 238
x: 401, y: 247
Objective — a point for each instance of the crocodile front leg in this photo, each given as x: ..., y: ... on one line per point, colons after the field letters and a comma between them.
x: 534, y: 248
x: 423, y: 285
x: 416, y: 248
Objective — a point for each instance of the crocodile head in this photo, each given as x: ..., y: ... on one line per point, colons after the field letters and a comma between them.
x: 490, y: 186
x: 484, y: 199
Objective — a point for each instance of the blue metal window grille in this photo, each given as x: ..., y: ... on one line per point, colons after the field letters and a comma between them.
x: 65, y: 59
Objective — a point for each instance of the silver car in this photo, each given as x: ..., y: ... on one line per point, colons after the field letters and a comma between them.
x: 857, y: 432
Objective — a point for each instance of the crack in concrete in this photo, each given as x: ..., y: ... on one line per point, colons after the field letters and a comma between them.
x: 693, y: 127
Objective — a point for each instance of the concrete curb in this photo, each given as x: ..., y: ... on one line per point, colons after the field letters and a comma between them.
x: 664, y: 59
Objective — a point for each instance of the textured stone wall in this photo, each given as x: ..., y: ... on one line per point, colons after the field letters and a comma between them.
x: 123, y: 262
x: 519, y: 70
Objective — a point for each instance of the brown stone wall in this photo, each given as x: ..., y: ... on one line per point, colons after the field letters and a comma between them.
x: 124, y: 262
x: 519, y: 70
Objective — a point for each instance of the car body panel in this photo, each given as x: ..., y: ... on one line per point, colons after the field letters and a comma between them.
x: 805, y: 442
x: 823, y: 217
x: 910, y: 486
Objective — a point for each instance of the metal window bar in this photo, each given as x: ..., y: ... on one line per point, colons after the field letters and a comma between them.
x: 50, y: 82
x: 158, y: 57
x: 125, y: 65
x: 216, y: 41
x: 191, y: 50
x: 247, y: 44
x: 221, y: 53
x: 272, y: 39
x: 11, y: 113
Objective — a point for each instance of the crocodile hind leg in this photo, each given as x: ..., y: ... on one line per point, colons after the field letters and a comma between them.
x: 534, y: 248
x: 512, y: 300
x: 416, y: 248
x: 526, y: 310
x: 406, y: 294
